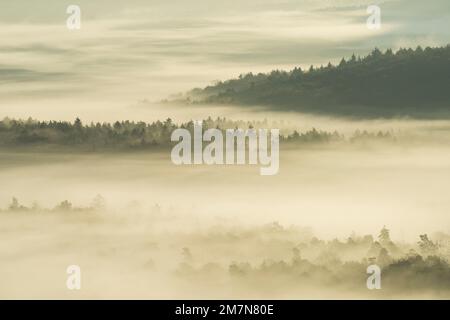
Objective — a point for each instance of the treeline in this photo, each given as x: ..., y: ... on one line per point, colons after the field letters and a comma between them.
x: 141, y: 135
x: 291, y: 257
x: 98, y: 204
x: 338, y: 264
x: 382, y: 84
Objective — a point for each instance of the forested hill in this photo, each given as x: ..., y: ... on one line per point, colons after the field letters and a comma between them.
x: 383, y: 84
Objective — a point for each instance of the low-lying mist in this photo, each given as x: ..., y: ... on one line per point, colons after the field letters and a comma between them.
x: 157, y: 252
x: 165, y: 231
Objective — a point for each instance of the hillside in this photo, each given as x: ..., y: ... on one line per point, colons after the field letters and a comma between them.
x: 408, y: 82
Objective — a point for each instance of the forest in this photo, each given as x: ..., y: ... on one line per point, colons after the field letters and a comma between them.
x: 408, y: 82
x: 126, y: 135
x: 261, y: 259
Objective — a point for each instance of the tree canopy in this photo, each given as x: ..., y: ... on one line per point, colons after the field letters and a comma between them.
x: 405, y: 83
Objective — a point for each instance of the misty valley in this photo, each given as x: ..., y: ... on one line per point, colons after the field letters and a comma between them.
x: 108, y: 198
x: 234, y: 150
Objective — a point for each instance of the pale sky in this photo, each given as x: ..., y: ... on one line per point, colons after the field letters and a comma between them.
x: 128, y: 51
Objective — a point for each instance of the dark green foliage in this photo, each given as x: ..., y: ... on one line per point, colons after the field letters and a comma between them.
x: 417, y: 272
x: 125, y: 134
x: 406, y: 83
x: 140, y: 135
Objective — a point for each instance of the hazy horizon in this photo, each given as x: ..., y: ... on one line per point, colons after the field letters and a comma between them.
x: 148, y: 50
x: 353, y: 192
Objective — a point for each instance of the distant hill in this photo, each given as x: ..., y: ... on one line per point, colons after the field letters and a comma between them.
x: 408, y: 82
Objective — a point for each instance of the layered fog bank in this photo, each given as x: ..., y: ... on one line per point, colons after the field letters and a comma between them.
x: 157, y: 252
x: 357, y: 177
x: 333, y: 191
x: 340, y: 202
x: 86, y: 176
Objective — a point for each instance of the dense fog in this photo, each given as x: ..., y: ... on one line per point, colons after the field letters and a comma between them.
x: 141, y: 227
